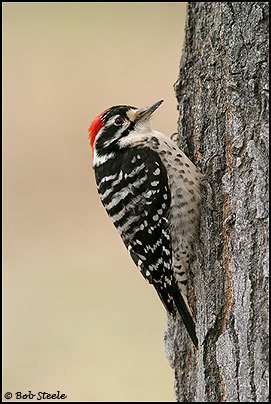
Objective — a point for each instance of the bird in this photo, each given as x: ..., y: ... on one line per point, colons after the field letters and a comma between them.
x: 151, y: 191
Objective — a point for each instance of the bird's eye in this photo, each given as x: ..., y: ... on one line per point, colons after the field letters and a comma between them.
x: 119, y: 121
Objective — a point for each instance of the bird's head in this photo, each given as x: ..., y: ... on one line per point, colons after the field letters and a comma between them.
x: 116, y: 122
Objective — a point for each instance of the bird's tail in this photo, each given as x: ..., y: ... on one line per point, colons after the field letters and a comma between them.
x: 185, y: 312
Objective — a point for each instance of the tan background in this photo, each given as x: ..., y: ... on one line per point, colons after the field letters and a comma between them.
x: 78, y: 316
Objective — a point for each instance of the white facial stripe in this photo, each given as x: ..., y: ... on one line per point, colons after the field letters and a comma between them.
x: 110, y: 121
x: 117, y: 134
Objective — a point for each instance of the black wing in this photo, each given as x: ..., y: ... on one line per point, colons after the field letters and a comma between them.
x: 138, y: 200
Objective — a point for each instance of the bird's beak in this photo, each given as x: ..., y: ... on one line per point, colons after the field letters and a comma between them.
x: 145, y: 113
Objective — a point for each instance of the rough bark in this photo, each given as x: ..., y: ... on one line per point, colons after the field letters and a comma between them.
x: 222, y: 92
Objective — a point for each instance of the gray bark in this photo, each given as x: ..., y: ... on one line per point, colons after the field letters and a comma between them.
x: 222, y: 92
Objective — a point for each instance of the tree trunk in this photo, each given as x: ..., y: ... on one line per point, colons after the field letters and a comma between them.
x: 222, y: 94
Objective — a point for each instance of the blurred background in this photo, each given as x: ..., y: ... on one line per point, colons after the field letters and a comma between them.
x: 78, y: 317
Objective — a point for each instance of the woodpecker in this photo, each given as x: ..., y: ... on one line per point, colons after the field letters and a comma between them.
x: 151, y: 191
